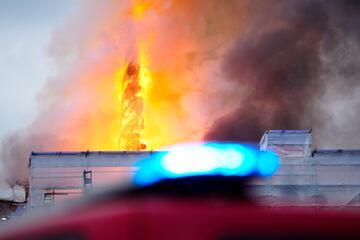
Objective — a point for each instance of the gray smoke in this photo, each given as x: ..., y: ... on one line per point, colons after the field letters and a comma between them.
x: 289, y: 63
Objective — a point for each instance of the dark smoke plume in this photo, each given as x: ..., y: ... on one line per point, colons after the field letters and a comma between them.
x: 280, y: 62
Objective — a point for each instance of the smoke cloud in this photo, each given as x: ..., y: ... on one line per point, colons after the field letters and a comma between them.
x: 219, y: 70
x: 287, y: 66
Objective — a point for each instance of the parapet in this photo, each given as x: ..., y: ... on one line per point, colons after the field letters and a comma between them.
x: 288, y: 143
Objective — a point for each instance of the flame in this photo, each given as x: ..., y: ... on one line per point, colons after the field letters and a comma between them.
x: 137, y: 82
x: 139, y: 9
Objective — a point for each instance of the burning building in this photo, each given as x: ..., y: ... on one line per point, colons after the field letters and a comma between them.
x: 140, y: 75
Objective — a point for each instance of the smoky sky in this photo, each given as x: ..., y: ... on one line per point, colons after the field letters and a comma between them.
x: 221, y: 70
x: 279, y: 62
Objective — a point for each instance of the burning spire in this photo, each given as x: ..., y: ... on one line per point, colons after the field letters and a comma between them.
x: 132, y: 107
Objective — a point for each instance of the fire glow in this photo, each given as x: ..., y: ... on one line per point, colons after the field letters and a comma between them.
x: 132, y: 75
x: 151, y: 83
x: 143, y: 77
x: 150, y: 102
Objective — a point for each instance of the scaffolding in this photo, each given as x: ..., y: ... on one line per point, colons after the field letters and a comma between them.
x: 307, y: 177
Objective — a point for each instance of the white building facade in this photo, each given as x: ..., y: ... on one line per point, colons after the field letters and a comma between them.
x: 307, y: 177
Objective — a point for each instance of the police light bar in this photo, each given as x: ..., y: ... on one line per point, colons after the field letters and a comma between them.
x: 206, y: 159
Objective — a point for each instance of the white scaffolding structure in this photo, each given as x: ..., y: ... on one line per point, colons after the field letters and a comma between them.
x: 307, y: 177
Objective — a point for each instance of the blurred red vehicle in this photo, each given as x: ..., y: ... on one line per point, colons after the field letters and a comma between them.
x: 211, y: 205
x: 157, y: 218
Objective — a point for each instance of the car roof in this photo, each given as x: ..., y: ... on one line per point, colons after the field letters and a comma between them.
x: 165, y: 218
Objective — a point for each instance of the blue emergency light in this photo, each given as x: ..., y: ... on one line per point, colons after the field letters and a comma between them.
x: 206, y: 159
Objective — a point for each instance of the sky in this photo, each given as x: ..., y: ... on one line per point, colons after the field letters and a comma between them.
x: 26, y: 27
